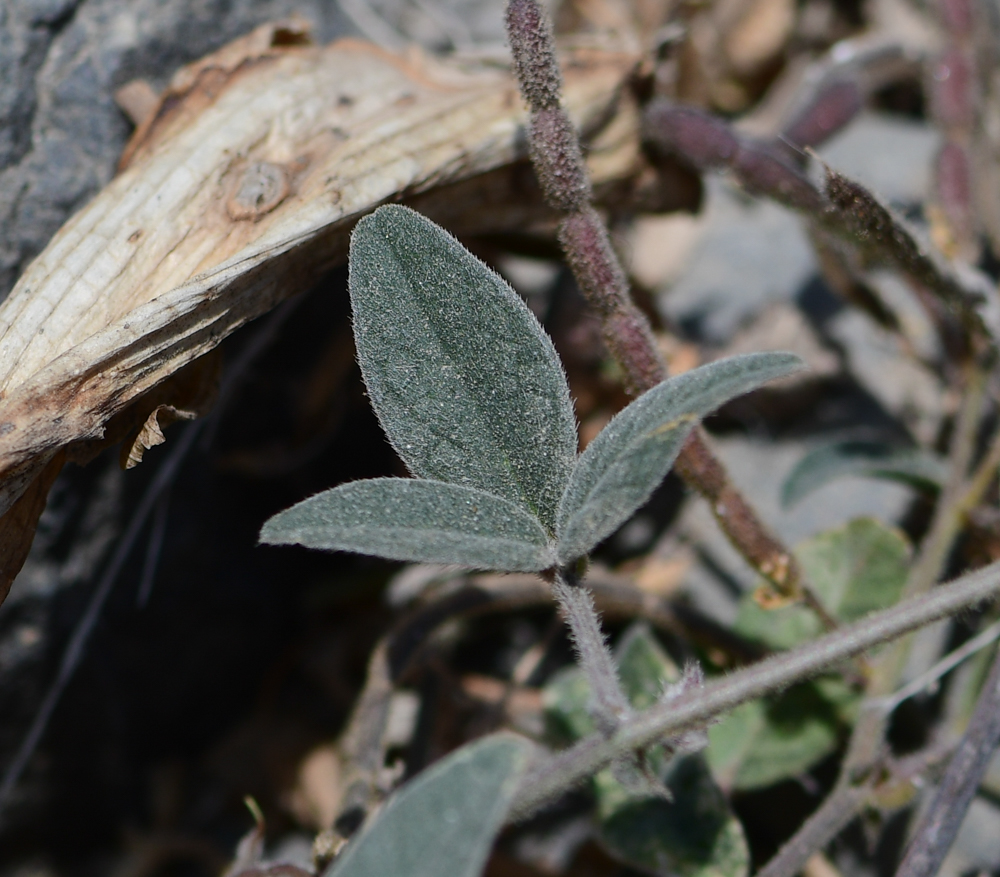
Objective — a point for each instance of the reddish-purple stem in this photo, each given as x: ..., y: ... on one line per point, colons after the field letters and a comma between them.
x: 953, y: 94
x: 558, y: 161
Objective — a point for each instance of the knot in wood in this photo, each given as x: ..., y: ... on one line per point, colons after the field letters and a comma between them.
x: 263, y: 187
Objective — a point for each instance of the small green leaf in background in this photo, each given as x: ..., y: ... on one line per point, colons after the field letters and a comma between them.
x: 695, y: 835
x: 416, y: 520
x: 622, y: 467
x: 765, y: 741
x: 855, y: 569
x: 465, y: 382
x: 913, y: 466
x: 444, y: 821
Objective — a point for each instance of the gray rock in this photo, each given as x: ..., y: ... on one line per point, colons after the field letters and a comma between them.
x: 876, y: 358
x: 889, y: 154
x: 751, y: 253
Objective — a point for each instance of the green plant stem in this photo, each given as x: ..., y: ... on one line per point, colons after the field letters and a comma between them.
x: 981, y: 479
x: 552, y: 777
x: 610, y: 706
x: 950, y: 511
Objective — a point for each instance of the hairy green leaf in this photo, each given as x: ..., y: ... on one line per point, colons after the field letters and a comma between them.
x: 416, y: 520
x: 443, y: 821
x: 465, y: 382
x: 622, y: 467
x: 854, y: 569
x: 913, y: 466
x: 695, y: 835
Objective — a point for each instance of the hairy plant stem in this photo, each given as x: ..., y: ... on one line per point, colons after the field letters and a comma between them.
x: 558, y: 161
x: 361, y: 746
x: 962, y: 303
x: 548, y: 780
x: 609, y: 706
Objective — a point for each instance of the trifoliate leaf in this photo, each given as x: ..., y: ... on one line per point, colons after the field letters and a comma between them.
x: 416, y: 520
x: 464, y: 380
x: 445, y: 820
x: 622, y: 467
x: 913, y: 466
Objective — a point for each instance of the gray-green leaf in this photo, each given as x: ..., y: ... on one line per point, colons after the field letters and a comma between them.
x: 416, y: 520
x: 622, y: 467
x: 913, y: 466
x: 445, y: 820
x: 465, y: 382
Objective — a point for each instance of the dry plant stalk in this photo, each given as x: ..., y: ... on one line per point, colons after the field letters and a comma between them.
x: 234, y: 195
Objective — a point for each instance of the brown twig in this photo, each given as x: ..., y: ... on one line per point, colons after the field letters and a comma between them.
x: 609, y: 702
x: 846, y: 801
x: 558, y: 160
